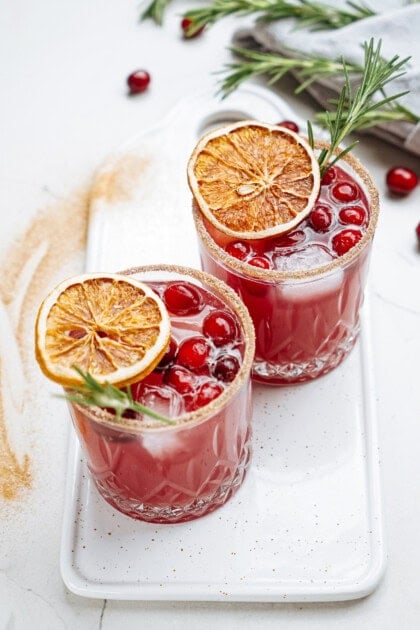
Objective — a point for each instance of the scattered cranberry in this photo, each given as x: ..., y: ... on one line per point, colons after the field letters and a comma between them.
x: 289, y: 124
x: 290, y: 239
x: 138, y: 81
x: 260, y: 261
x: 169, y: 355
x: 238, y: 249
x: 188, y: 30
x: 206, y: 393
x: 329, y: 176
x: 345, y: 240
x: 345, y: 191
x: 320, y: 218
x: 180, y: 379
x: 193, y: 352
x: 220, y: 326
x: 418, y: 233
x: 226, y: 368
x: 182, y: 298
x: 401, y: 180
x: 352, y: 214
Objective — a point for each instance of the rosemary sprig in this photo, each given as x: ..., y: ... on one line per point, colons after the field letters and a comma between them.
x: 92, y: 394
x: 354, y: 106
x: 155, y: 11
x: 307, y: 68
x: 315, y: 15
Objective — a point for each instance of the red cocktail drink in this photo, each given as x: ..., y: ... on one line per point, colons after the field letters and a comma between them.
x: 303, y: 289
x: 171, y: 473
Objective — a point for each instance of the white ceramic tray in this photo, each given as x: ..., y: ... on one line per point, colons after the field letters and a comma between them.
x: 306, y: 524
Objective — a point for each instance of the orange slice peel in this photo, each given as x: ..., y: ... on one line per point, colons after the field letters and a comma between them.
x: 253, y: 180
x: 109, y: 325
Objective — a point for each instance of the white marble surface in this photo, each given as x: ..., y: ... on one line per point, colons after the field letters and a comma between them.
x: 63, y: 109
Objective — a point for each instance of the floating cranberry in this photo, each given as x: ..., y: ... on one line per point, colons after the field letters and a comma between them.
x: 401, y: 180
x: 345, y: 240
x: 260, y: 261
x: 188, y: 29
x: 226, y: 368
x: 289, y: 124
x: 352, y: 214
x: 182, y: 298
x: 345, y: 191
x: 289, y: 240
x: 169, y: 355
x: 220, y: 326
x: 238, y: 249
x: 138, y: 81
x: 206, y: 393
x: 193, y: 352
x: 320, y: 218
x: 329, y: 177
x: 181, y: 379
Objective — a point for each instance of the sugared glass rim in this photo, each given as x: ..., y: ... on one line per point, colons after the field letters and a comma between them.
x: 273, y: 276
x: 193, y: 418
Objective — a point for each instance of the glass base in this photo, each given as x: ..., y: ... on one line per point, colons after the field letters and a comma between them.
x: 198, y: 507
x: 289, y: 373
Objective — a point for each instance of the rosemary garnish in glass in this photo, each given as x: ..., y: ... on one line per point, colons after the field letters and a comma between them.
x: 92, y: 394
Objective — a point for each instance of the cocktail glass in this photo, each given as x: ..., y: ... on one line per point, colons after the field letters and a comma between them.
x: 306, y: 315
x: 172, y: 473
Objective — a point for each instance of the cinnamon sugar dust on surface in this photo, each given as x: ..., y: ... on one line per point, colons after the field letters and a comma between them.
x: 51, y: 248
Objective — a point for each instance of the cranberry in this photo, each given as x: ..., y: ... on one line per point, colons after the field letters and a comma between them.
x: 345, y: 191
x: 353, y: 214
x: 182, y: 298
x: 418, y: 233
x: 220, y: 326
x: 260, y: 261
x: 193, y: 352
x: 180, y: 379
x: 289, y: 124
x: 329, y: 176
x: 320, y: 218
x: 169, y: 355
x: 226, y: 368
x: 238, y: 249
x: 138, y: 81
x: 206, y: 393
x: 345, y: 240
x: 290, y: 239
x: 401, y: 180
x: 187, y: 28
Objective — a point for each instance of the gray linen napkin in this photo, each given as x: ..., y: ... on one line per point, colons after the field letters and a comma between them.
x: 396, y: 23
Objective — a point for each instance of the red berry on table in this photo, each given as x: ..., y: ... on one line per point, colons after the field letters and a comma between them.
x: 188, y: 29
x: 352, y: 214
x: 138, y: 81
x: 181, y: 379
x: 320, y: 218
x: 418, y: 233
x: 182, y: 298
x: 289, y: 124
x: 260, y: 261
x: 345, y: 240
x: 193, y: 352
x: 226, y: 368
x: 329, y: 176
x: 345, y: 191
x: 220, y: 327
x: 401, y: 180
x: 238, y: 249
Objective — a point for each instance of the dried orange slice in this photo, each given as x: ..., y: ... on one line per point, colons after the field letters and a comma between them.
x: 110, y: 325
x: 253, y: 180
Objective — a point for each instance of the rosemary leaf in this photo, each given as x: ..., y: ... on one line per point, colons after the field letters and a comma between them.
x: 155, y: 11
x: 91, y: 393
